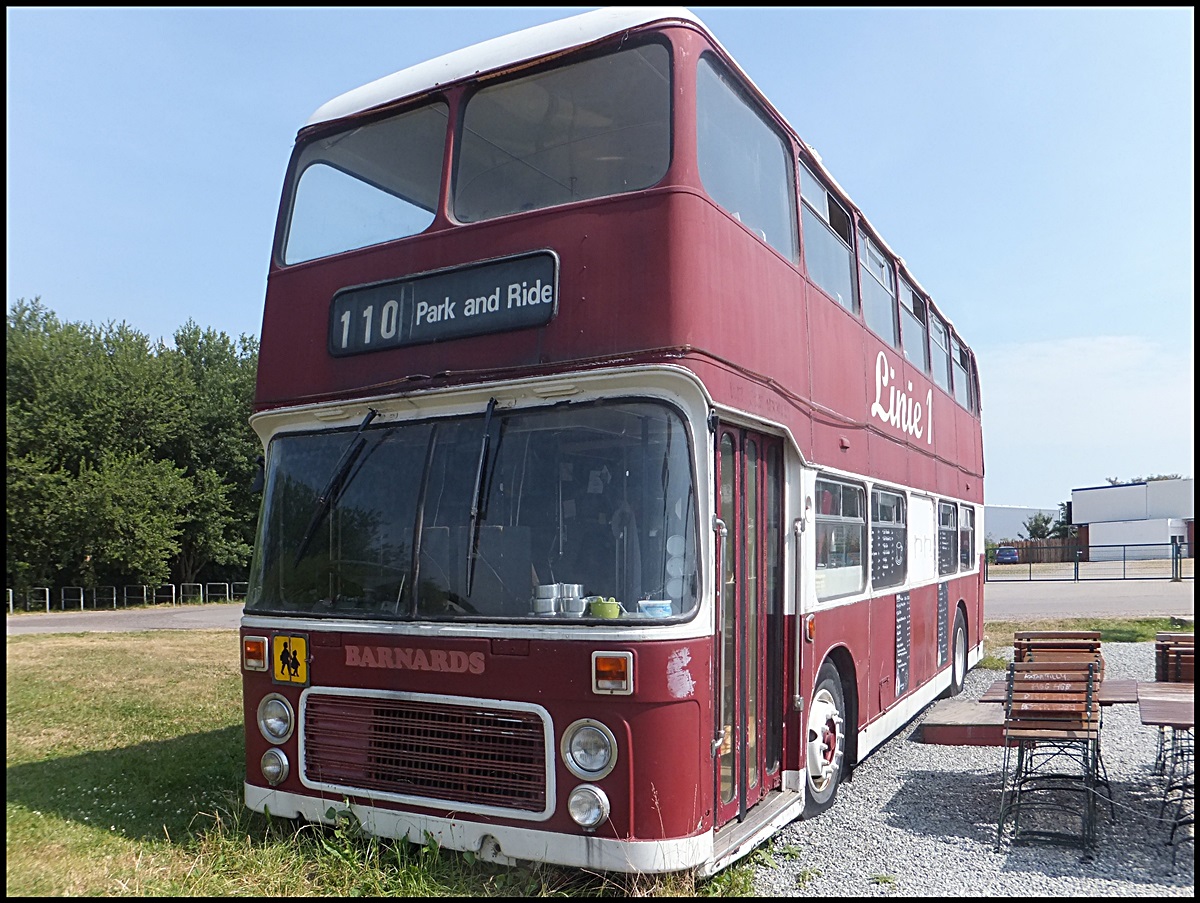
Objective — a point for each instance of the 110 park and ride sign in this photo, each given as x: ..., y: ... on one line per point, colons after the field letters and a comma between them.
x: 493, y: 296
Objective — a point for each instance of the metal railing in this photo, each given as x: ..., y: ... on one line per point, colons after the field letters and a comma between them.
x: 78, y: 598
x: 1142, y: 561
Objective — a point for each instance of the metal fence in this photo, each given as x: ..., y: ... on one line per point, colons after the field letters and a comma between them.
x: 1144, y: 561
x: 77, y: 598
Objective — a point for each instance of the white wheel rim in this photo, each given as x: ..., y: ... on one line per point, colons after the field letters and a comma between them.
x: 824, y: 740
x: 960, y: 655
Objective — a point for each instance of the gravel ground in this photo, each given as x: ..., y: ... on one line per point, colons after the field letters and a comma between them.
x: 920, y: 820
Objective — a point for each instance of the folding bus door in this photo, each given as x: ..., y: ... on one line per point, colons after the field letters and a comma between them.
x: 750, y: 685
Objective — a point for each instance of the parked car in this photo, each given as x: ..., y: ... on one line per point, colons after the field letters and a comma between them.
x: 1007, y: 555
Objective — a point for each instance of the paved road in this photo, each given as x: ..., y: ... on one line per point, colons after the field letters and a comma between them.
x: 1026, y: 599
x: 215, y: 615
x: 1003, y: 601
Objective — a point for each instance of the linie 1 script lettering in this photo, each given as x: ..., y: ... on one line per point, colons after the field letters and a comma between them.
x: 902, y: 411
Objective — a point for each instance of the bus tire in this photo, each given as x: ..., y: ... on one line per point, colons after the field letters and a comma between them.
x: 826, y: 740
x: 958, y: 654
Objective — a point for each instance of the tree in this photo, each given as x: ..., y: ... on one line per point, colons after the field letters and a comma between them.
x: 127, y: 460
x: 216, y: 448
x: 1117, y: 481
x: 1037, y: 526
x: 1062, y: 527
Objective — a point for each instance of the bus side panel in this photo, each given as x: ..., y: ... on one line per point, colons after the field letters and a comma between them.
x: 881, y: 686
x: 838, y: 443
x: 672, y: 787
x: 846, y: 626
x: 969, y: 456
x: 923, y: 646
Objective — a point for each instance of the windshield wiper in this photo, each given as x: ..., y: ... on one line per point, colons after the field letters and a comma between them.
x: 335, y: 486
x: 473, y: 531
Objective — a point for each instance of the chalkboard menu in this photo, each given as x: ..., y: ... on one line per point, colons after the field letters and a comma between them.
x: 943, y: 621
x: 887, y: 554
x: 903, y: 642
x: 947, y: 551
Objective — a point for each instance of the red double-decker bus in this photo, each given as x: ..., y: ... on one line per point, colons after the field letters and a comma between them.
x: 622, y: 489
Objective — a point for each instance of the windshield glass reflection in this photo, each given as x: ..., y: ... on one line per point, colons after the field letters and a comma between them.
x: 475, y: 517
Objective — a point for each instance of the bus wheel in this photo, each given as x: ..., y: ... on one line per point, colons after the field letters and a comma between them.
x: 826, y: 740
x: 958, y: 654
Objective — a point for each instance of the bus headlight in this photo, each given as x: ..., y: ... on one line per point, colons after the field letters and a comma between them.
x: 275, y: 718
x: 588, y: 806
x: 589, y: 749
x: 274, y: 765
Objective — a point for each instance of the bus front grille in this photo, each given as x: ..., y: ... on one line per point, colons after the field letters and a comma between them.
x: 477, y: 755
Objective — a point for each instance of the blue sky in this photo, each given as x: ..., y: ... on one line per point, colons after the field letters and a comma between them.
x: 1035, y: 168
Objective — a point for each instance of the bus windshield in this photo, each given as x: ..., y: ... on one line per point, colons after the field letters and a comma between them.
x: 471, y: 518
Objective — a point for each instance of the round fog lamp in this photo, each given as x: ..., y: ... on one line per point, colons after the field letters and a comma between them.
x: 588, y: 806
x: 275, y: 719
x: 274, y: 766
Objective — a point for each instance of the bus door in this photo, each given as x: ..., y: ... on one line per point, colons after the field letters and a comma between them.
x: 750, y: 640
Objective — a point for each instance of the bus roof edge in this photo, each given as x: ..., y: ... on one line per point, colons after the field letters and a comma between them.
x: 550, y: 37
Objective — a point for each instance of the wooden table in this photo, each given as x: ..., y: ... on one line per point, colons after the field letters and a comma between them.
x: 1162, y: 704
x: 1110, y: 692
x: 1172, y: 706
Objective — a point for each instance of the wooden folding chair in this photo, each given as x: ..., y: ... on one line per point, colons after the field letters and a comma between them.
x: 1051, y: 753
x: 1058, y: 645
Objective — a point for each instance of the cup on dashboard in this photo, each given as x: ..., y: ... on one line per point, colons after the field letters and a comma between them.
x: 605, y: 608
x: 655, y: 608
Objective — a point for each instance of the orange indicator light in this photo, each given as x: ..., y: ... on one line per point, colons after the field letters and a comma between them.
x: 612, y: 672
x: 254, y: 653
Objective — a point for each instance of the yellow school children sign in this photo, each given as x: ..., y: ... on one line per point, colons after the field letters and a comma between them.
x: 289, y: 659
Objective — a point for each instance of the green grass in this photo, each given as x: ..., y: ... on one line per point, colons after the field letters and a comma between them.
x: 999, y: 634
x: 125, y: 767
x: 124, y: 778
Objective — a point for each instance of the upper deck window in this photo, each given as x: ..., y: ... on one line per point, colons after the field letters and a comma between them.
x: 585, y: 130
x: 828, y: 241
x: 940, y: 349
x: 878, y: 290
x: 913, y: 331
x: 744, y: 163
x: 960, y: 360
x: 369, y: 184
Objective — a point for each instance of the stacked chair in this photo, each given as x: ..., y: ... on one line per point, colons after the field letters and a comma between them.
x: 1058, y: 646
x: 1175, y: 657
x: 1174, y: 662
x: 1052, y: 767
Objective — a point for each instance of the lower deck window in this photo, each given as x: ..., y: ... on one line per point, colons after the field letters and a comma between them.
x: 947, y: 538
x: 841, y: 534
x: 966, y: 538
x: 889, y: 539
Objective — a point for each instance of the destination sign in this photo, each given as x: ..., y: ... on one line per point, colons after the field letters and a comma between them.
x: 495, y: 296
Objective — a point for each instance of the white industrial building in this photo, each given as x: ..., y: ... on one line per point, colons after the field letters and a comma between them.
x: 1112, y: 519
x: 1005, y: 523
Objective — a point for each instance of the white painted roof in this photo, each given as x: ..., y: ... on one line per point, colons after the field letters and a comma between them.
x: 552, y: 37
